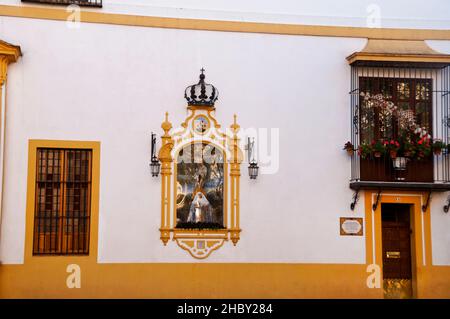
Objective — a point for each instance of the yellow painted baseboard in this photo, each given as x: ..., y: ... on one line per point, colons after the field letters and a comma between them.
x: 201, y: 280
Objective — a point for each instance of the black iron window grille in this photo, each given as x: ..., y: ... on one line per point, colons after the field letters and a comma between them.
x: 423, y: 90
x: 82, y: 3
x: 63, y: 202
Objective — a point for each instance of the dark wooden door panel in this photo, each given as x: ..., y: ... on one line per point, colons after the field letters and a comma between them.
x: 396, y: 238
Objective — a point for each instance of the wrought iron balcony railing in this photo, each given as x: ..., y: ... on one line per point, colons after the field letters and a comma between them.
x: 82, y: 3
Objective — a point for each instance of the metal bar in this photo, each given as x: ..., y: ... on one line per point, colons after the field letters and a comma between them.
x: 447, y: 205
x: 86, y: 3
x: 375, y: 205
x: 425, y: 206
x: 355, y: 199
x: 63, y: 200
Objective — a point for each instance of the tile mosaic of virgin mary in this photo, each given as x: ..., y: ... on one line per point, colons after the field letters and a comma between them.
x: 200, y: 182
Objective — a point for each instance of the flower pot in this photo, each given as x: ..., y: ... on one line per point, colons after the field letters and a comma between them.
x: 350, y: 151
x: 393, y: 154
x: 377, y: 154
x: 399, y: 163
x: 437, y: 152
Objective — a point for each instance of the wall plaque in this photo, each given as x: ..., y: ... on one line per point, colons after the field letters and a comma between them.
x: 351, y: 226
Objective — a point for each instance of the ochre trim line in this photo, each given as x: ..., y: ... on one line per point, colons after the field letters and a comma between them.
x: 227, y: 26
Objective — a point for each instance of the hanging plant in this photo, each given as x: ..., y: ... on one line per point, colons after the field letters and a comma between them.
x: 349, y: 148
x: 438, y: 146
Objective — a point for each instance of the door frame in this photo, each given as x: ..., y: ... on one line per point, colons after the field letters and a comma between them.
x: 421, y: 255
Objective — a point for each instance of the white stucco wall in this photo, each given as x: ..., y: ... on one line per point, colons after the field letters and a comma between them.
x: 434, y: 14
x: 440, y: 225
x: 113, y: 84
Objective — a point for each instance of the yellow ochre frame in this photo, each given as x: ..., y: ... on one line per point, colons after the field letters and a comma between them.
x: 211, y: 239
x: 33, y: 145
x: 421, y: 254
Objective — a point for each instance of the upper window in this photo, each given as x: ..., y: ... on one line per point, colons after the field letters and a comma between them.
x: 86, y: 3
x: 63, y: 201
x: 412, y: 97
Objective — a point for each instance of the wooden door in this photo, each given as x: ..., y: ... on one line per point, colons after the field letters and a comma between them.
x: 396, y: 236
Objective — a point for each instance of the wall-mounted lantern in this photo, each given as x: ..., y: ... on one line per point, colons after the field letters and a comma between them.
x: 253, y: 167
x: 154, y: 163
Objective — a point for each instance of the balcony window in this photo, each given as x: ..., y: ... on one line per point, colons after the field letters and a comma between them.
x: 406, y: 103
x: 411, y: 91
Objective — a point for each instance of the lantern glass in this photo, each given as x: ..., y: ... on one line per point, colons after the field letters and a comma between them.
x: 253, y: 170
x: 154, y: 167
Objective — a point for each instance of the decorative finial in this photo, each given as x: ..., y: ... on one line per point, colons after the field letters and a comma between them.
x: 235, y: 127
x: 166, y: 125
x: 202, y: 76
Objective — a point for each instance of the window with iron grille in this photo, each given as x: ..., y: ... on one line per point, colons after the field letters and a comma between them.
x: 83, y: 3
x: 420, y: 93
x: 63, y: 201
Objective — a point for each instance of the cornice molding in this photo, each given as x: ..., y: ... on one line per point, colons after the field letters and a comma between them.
x: 398, y: 51
x: 225, y: 26
x: 9, y: 53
